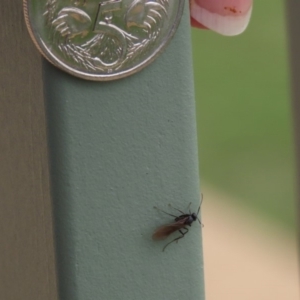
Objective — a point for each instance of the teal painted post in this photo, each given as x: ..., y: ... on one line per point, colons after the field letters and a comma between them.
x: 116, y: 150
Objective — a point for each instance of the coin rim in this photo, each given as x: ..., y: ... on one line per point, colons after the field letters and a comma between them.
x: 40, y: 45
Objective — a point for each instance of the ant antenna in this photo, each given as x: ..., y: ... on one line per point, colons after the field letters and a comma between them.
x: 199, y: 211
x: 201, y: 200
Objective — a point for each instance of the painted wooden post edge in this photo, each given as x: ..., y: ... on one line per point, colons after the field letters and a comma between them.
x: 116, y: 150
x: 26, y: 237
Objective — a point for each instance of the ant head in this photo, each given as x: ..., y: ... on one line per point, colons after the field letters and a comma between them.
x: 194, y: 216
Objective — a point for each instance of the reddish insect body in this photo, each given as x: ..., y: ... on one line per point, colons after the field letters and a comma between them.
x: 179, y: 224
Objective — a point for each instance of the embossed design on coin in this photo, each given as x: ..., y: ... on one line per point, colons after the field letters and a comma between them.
x: 102, y: 40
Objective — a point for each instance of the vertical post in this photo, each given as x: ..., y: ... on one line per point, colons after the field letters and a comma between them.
x: 116, y: 150
x: 293, y: 22
x: 26, y: 240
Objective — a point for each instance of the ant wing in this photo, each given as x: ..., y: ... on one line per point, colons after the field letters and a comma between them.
x: 164, y: 231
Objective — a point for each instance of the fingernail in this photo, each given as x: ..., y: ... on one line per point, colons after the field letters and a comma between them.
x: 227, y: 17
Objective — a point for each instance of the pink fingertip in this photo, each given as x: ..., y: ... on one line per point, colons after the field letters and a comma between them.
x: 227, y: 17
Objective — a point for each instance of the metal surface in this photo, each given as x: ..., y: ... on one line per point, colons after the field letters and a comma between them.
x: 102, y: 40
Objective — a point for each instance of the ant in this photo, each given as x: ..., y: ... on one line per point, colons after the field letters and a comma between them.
x: 179, y: 224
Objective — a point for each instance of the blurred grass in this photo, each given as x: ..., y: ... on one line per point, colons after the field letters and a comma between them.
x: 243, y: 113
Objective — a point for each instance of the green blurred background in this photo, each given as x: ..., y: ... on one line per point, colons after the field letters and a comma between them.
x: 244, y: 114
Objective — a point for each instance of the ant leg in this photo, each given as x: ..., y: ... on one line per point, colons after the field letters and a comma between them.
x: 183, y: 233
x: 165, y: 212
x: 177, y: 209
x: 202, y: 225
x: 186, y: 230
x: 181, y: 210
x: 176, y: 240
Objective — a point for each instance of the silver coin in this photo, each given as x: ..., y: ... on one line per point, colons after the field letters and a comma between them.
x: 102, y: 40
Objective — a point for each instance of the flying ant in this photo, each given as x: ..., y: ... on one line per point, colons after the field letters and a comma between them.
x: 180, y: 224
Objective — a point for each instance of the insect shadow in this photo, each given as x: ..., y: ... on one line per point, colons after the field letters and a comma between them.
x: 179, y: 224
